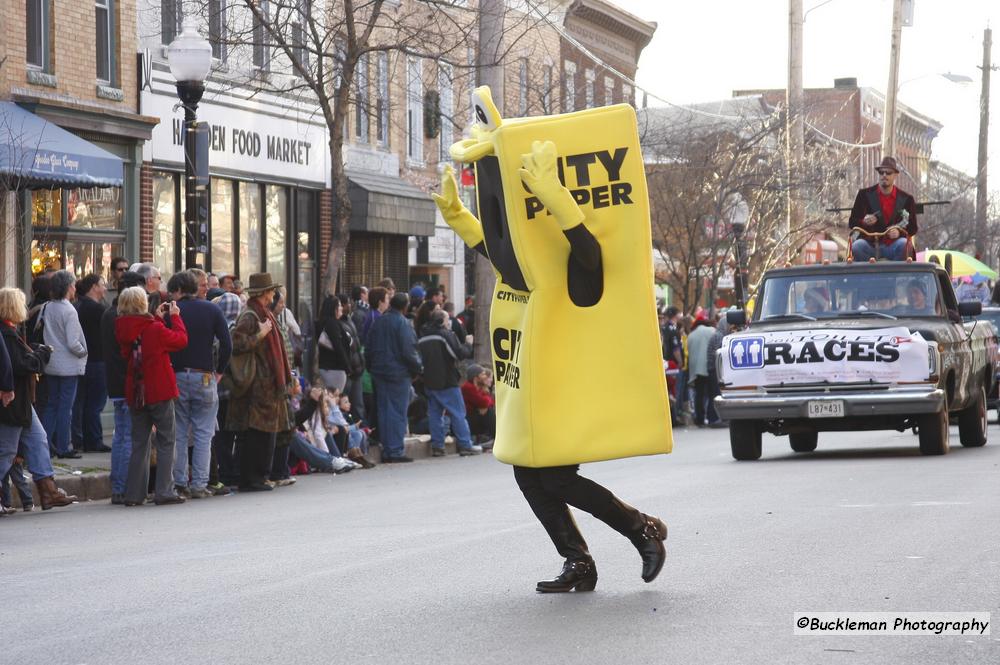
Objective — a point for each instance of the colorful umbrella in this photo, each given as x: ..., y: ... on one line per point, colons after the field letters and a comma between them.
x: 961, y: 263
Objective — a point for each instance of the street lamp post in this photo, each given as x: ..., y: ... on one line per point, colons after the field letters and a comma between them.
x: 740, y: 283
x: 190, y: 58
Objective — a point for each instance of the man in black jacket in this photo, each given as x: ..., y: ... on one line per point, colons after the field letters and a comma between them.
x: 441, y: 351
x: 92, y: 393
x: 883, y: 208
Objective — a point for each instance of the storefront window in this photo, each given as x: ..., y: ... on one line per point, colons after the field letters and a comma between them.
x: 96, y: 208
x: 249, y: 228
x: 223, y: 253
x: 79, y: 257
x: 164, y: 223
x: 46, y: 207
x: 277, y: 225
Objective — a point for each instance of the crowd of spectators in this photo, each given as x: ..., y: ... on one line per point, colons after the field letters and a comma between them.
x: 207, y: 378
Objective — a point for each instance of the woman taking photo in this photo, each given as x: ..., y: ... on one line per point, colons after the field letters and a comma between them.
x: 18, y: 421
x: 150, y: 387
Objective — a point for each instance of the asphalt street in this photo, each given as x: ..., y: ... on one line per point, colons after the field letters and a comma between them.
x: 436, y: 562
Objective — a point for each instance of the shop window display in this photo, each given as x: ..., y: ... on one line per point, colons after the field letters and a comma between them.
x: 223, y: 254
x: 249, y: 228
x: 277, y: 225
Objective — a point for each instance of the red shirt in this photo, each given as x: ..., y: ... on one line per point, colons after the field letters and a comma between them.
x: 158, y: 341
x: 475, y: 398
x: 888, y: 203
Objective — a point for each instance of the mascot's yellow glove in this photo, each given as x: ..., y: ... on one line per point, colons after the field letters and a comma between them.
x: 540, y: 174
x: 457, y: 215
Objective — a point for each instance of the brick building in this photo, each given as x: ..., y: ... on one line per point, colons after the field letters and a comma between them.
x: 73, y: 137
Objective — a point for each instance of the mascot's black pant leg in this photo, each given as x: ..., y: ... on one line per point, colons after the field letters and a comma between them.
x: 548, y: 490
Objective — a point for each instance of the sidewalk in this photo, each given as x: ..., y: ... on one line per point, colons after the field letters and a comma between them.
x: 89, y: 477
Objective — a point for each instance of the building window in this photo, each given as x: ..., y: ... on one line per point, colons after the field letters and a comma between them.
x: 217, y: 28
x: 589, y: 95
x: 300, y: 50
x: 447, y: 110
x: 522, y: 87
x: 547, y: 90
x: 382, y: 99
x: 37, y: 34
x: 261, y: 43
x: 414, y: 110
x: 164, y: 229
x: 276, y: 207
x: 105, y: 40
x: 171, y: 13
x: 609, y: 90
x: 249, y: 233
x: 361, y: 100
x: 223, y: 259
x: 569, y: 87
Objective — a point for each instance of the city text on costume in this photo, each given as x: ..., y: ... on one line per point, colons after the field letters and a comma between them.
x: 249, y: 143
x: 600, y: 196
x: 506, y: 351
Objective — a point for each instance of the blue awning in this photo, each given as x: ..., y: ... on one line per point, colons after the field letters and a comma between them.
x: 37, y: 154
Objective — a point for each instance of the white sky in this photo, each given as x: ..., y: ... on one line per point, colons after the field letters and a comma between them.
x: 702, y: 51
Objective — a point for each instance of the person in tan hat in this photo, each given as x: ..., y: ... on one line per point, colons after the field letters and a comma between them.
x: 259, y: 413
x: 882, y: 207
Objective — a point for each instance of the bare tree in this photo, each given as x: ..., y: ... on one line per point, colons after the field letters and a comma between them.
x: 331, y: 54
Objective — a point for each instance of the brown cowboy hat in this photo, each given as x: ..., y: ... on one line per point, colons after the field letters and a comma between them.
x: 261, y: 282
x: 888, y: 163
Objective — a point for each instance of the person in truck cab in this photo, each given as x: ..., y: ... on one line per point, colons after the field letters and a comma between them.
x: 817, y: 300
x: 883, y: 207
x: 916, y: 294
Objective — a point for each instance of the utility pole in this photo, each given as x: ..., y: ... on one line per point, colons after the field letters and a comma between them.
x: 889, y: 126
x: 982, y: 196
x: 794, y: 129
x: 490, y: 72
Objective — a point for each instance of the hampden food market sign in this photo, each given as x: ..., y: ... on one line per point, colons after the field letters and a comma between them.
x: 261, y: 144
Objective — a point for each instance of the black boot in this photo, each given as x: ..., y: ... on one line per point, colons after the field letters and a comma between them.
x: 576, y: 575
x: 645, y: 532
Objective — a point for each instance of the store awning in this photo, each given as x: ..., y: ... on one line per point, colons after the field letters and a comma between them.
x: 385, y: 204
x: 34, y: 153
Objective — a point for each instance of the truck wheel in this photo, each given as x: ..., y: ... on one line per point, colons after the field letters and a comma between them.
x: 744, y: 439
x: 972, y: 422
x: 803, y: 442
x: 933, y: 433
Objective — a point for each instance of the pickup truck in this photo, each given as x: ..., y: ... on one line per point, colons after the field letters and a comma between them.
x: 856, y: 346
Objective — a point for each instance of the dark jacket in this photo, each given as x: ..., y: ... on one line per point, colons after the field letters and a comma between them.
x: 24, y: 365
x: 355, y: 361
x: 391, y: 347
x: 158, y: 341
x: 441, y: 351
x: 867, y: 203
x: 6, y: 370
x: 263, y: 407
x: 114, y: 363
x: 90, y: 313
x: 205, y: 324
x: 338, y: 357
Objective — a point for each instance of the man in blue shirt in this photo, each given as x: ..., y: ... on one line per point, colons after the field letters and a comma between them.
x: 198, y: 370
x: 392, y: 358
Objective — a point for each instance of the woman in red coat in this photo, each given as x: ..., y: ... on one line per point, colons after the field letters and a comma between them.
x: 150, y: 388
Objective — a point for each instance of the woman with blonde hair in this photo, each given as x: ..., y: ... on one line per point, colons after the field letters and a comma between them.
x: 146, y: 342
x: 18, y: 421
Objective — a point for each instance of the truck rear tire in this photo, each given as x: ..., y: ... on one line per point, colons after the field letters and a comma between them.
x: 932, y: 429
x: 972, y: 422
x: 803, y: 442
x: 745, y: 439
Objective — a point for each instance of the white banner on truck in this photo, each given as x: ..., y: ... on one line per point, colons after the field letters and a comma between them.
x: 837, y: 356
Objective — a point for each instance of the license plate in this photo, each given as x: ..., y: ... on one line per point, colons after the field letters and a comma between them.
x: 825, y: 409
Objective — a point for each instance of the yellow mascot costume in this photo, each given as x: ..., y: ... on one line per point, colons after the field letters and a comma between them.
x: 576, y: 351
x: 564, y: 219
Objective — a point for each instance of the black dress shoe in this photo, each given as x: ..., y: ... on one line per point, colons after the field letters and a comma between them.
x: 399, y: 459
x: 256, y: 487
x: 73, y: 454
x: 649, y: 542
x: 168, y: 500
x: 99, y: 449
x: 578, y: 575
x: 117, y: 499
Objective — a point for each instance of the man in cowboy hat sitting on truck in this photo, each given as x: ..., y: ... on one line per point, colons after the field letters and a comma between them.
x: 883, y: 207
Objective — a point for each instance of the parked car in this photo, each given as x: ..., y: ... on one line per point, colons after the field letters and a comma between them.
x: 848, y: 347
